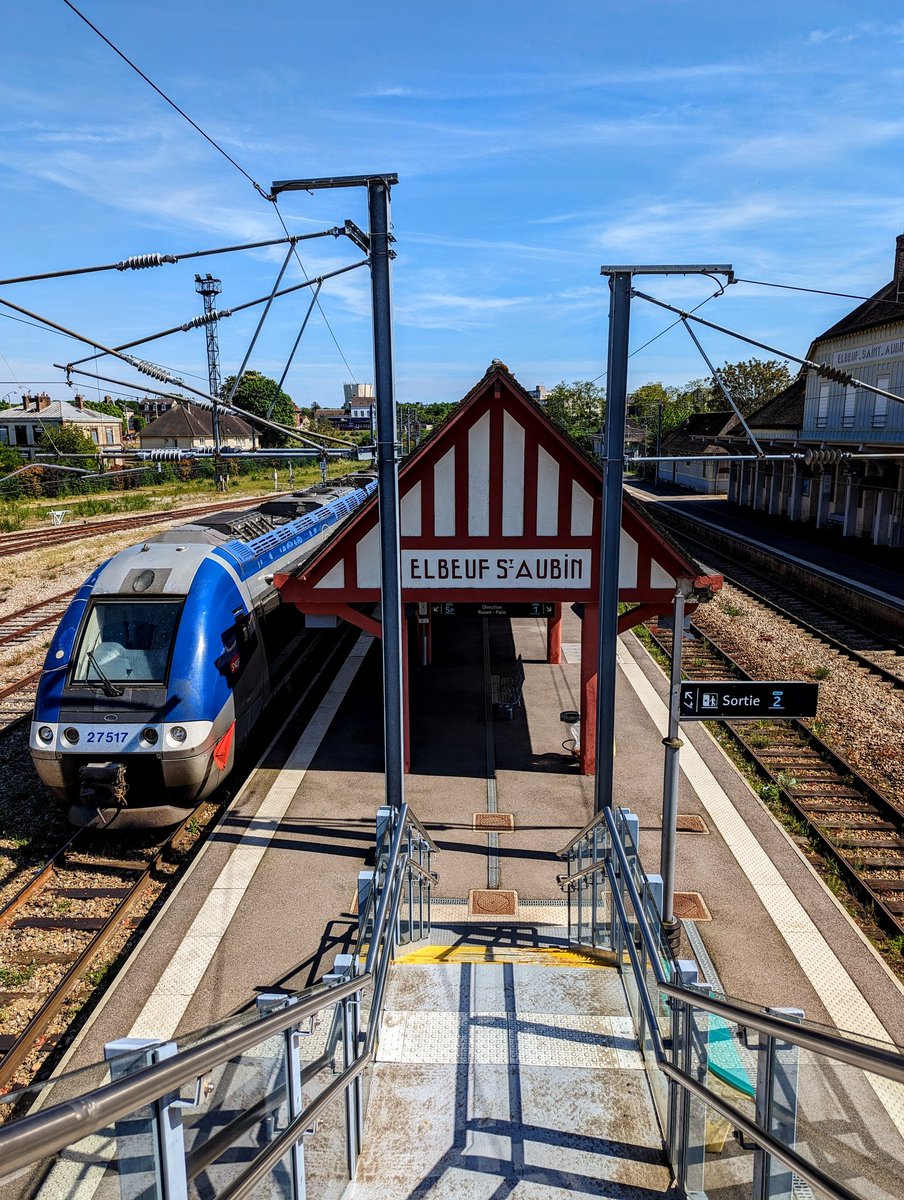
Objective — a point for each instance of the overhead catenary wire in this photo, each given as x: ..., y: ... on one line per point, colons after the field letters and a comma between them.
x: 140, y: 262
x: 663, y: 332
x: 257, y: 187
x: 822, y: 369
x: 792, y: 287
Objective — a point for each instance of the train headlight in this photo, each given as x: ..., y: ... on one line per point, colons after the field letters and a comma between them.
x: 45, y: 735
x: 149, y: 737
x: 178, y: 734
x: 71, y: 735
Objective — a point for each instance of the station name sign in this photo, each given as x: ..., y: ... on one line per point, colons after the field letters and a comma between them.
x: 864, y: 354
x: 746, y: 700
x: 565, y: 569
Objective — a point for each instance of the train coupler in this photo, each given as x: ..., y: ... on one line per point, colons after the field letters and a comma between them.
x: 103, y: 783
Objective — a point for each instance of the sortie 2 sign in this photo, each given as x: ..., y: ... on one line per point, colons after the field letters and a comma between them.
x: 746, y: 700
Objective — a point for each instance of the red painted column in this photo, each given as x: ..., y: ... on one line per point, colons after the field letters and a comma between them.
x: 554, y: 637
x: 406, y: 696
x: 589, y: 656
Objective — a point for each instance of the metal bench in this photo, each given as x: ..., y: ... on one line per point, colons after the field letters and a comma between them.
x: 505, y: 690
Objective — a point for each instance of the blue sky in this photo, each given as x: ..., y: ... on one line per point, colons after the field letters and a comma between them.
x: 532, y: 144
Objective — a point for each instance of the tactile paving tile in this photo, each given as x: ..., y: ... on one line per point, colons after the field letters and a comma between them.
x: 501, y: 1038
x: 690, y: 906
x: 492, y: 902
x: 494, y: 822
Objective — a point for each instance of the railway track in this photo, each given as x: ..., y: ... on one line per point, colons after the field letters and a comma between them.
x: 853, y: 823
x: 86, y: 896
x: 35, y: 539
x: 882, y: 655
x: 68, y: 920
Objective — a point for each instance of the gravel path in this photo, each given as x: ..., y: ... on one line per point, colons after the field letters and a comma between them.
x: 862, y: 719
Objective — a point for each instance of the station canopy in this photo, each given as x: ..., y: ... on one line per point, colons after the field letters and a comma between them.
x: 498, y: 506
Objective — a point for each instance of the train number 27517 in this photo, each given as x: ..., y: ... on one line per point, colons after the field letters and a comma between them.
x: 107, y: 736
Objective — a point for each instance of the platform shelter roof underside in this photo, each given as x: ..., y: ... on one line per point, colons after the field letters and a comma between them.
x: 498, y: 505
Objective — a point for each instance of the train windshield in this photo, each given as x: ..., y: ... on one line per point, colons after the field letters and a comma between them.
x: 126, y: 641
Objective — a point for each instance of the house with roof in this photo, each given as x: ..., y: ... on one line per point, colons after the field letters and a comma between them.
x: 698, y: 436
x: 188, y: 427
x: 834, y: 418
x: 29, y: 429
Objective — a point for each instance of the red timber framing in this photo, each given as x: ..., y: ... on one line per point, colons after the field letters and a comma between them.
x: 499, y: 506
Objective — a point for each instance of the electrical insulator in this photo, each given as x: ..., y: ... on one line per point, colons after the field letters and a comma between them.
x: 140, y: 261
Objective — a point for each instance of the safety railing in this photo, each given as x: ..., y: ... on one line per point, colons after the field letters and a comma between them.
x: 272, y: 1099
x: 751, y: 1101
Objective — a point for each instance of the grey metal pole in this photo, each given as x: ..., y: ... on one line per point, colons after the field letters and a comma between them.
x: 673, y: 744
x: 613, y: 476
x: 388, y: 480
x: 658, y: 445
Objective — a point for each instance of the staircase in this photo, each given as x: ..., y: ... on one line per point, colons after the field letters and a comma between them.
x: 507, y: 1067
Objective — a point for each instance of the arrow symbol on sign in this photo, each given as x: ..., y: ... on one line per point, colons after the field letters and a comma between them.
x: 688, y: 699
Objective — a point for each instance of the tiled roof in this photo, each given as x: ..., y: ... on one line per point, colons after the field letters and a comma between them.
x: 784, y: 411
x: 880, y: 309
x: 60, y: 410
x: 189, y: 421
x: 692, y: 436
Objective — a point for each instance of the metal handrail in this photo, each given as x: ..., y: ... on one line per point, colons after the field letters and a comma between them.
x: 599, y: 819
x: 244, y: 1183
x: 412, y: 820
x: 866, y: 1058
x: 392, y: 862
x: 565, y: 881
x: 430, y: 876
x: 47, y: 1132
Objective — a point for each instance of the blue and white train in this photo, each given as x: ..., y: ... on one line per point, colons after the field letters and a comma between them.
x: 161, y: 665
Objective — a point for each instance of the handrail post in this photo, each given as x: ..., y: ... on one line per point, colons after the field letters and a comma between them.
x: 776, y: 1109
x: 154, y: 1146
x: 292, y: 1080
x: 690, y: 1055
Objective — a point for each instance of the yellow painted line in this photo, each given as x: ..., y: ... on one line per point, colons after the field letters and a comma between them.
x: 542, y: 956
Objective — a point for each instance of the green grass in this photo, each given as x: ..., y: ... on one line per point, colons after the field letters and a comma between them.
x: 821, y: 672
x: 15, y: 976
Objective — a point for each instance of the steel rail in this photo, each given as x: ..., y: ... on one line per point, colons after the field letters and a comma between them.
x: 897, y: 680
x: 881, y: 804
x: 25, y: 1043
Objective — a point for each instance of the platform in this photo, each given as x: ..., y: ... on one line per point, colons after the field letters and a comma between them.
x: 874, y: 571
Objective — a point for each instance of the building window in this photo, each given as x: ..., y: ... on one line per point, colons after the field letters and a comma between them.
x: 21, y: 432
x: 880, y: 403
x: 822, y: 406
x: 94, y: 438
x: 850, y: 405
x: 110, y: 437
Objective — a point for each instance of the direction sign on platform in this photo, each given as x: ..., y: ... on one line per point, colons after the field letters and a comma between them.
x: 529, y: 609
x: 748, y: 700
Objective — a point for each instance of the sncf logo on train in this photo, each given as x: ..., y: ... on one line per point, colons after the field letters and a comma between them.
x: 497, y: 568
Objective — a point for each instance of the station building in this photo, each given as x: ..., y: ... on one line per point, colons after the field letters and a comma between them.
x: 185, y: 427
x: 858, y: 498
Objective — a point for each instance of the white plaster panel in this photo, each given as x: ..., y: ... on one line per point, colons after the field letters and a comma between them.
x: 627, y: 567
x: 411, y: 512
x: 479, y: 477
x: 547, y: 494
x: 368, y: 559
x: 334, y: 578
x: 444, y: 496
x: 581, y: 511
x: 512, y: 477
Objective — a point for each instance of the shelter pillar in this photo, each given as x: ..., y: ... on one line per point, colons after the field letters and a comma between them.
x: 589, y: 657
x: 851, y: 496
x: 554, y: 637
x: 406, y: 696
x: 796, y: 495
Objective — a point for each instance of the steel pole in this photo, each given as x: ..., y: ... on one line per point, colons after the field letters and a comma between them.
x: 388, y: 480
x: 673, y: 744
x: 613, y: 477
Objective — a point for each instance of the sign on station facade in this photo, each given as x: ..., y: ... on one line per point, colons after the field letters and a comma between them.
x: 747, y: 700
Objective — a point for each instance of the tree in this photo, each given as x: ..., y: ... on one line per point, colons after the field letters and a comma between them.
x: 255, y: 394
x: 751, y: 383
x: 64, y: 440
x: 579, y: 407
